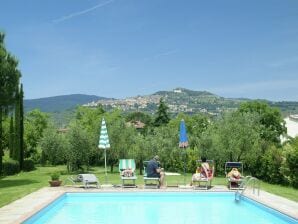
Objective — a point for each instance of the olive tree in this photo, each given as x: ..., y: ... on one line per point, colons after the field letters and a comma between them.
x: 232, y: 137
x: 78, y: 152
x: 54, y: 147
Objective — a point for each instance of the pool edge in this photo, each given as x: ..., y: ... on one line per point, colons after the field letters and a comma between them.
x: 40, y: 207
x: 14, y: 213
x: 247, y: 198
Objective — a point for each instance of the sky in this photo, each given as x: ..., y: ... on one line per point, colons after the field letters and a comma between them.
x: 124, y: 48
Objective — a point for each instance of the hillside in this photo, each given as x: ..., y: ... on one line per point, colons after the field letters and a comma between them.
x: 190, y: 101
x: 187, y: 101
x: 59, y: 103
x: 178, y: 100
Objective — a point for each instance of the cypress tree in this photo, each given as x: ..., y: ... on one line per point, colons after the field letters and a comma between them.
x: 21, y: 102
x: 11, y: 138
x: 16, y: 152
x: 162, y: 116
x: 1, y: 145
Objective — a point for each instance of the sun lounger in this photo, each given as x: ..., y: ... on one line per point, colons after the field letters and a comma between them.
x: 85, y: 179
x: 205, y: 182
x: 150, y: 182
x: 234, y: 183
x: 74, y: 180
x: 127, y: 169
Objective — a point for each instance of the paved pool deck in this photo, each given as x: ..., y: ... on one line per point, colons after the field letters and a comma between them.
x: 21, y: 209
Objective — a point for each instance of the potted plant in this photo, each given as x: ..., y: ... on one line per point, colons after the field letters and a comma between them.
x: 55, y: 182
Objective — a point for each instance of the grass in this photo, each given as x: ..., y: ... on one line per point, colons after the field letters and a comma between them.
x: 283, y: 191
x: 17, y: 186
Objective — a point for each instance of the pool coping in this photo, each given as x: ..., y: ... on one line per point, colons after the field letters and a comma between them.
x: 19, y: 211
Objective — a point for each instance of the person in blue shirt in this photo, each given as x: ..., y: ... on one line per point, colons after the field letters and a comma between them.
x: 154, y: 170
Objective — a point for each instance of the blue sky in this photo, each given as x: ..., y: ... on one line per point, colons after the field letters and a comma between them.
x: 121, y: 48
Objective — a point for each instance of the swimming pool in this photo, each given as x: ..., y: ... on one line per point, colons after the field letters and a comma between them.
x: 147, y: 207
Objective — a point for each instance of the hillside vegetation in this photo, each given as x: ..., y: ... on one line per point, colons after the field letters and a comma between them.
x: 59, y: 103
x: 179, y: 100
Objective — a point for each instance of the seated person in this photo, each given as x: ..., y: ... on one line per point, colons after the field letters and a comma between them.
x: 202, y: 172
x: 234, y: 174
x: 153, y: 170
x: 127, y: 173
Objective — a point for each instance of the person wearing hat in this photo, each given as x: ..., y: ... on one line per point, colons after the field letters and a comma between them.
x: 234, y: 174
x: 154, y: 170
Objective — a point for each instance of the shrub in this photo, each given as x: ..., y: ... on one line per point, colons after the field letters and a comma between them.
x: 28, y: 165
x: 36, y: 157
x: 271, y: 166
x: 290, y: 164
x: 11, y: 167
x: 55, y: 176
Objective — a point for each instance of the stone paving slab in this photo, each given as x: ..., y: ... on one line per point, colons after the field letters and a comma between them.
x: 274, y: 201
x: 21, y: 209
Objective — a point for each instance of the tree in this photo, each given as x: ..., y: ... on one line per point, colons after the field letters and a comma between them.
x: 35, y: 123
x: 9, y: 80
x: 78, y: 152
x: 232, y: 137
x: 270, y: 166
x: 121, y: 138
x: 139, y: 150
x: 164, y: 142
x: 11, y: 137
x: 195, y: 126
x: 21, y: 102
x: 90, y: 120
x: 54, y: 146
x: 290, y: 162
x: 270, y: 120
x: 17, y: 140
x: 162, y: 116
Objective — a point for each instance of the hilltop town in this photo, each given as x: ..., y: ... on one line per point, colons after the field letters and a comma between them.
x: 178, y: 100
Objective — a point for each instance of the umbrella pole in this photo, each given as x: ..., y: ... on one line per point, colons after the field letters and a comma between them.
x: 184, y: 165
x: 106, y: 175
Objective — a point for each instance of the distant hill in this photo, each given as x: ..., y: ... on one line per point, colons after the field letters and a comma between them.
x: 187, y: 101
x: 59, y: 103
x: 178, y: 100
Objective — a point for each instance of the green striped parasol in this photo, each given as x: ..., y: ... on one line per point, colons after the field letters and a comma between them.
x: 104, y: 141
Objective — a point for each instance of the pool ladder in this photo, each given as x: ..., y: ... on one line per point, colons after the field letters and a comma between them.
x: 248, y: 180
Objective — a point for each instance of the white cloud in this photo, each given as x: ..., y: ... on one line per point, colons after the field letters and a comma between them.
x: 75, y: 14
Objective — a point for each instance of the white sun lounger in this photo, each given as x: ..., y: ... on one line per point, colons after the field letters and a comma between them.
x: 86, y: 179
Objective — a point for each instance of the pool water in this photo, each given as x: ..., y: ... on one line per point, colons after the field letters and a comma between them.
x: 145, y: 208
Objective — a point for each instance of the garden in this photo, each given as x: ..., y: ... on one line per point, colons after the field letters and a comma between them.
x: 33, y: 146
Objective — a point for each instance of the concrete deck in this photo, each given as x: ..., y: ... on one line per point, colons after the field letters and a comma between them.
x: 21, y: 209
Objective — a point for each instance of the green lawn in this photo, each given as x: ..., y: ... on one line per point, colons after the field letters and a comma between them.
x: 17, y: 186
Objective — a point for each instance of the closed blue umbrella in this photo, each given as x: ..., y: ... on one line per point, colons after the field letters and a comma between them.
x: 183, y: 142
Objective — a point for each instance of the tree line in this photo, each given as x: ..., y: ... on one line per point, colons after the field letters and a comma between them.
x: 251, y: 134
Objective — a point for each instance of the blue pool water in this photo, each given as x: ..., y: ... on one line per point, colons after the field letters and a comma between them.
x: 145, y: 208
